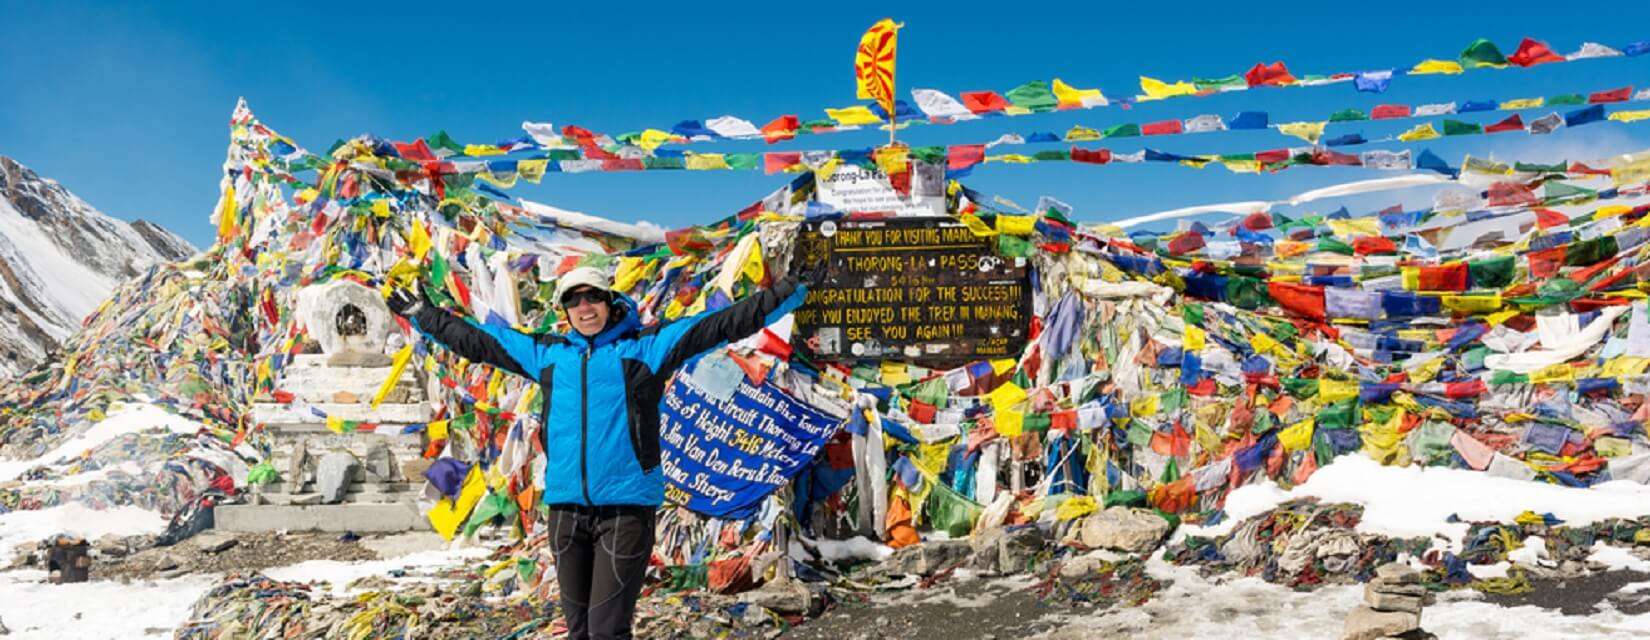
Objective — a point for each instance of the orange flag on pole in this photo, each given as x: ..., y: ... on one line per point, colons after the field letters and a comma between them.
x: 874, y: 63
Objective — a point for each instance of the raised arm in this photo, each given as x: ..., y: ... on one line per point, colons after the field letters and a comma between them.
x: 675, y: 343
x: 503, y: 347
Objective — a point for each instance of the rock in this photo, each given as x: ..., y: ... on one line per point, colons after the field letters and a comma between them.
x: 332, y: 476
x: 787, y: 597
x: 1125, y: 529
x: 1413, y: 590
x: 1391, y: 601
x: 3, y: 630
x: 381, y: 463
x: 756, y: 616
x: 1088, y: 563
x: 1368, y: 624
x: 173, y: 572
x: 927, y: 558
x: 215, y: 541
x: 1397, y: 572
x: 1004, y: 551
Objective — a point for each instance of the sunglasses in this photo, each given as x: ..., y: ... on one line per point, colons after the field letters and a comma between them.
x: 577, y: 298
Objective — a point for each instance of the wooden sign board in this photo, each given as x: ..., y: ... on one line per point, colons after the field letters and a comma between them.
x: 921, y: 290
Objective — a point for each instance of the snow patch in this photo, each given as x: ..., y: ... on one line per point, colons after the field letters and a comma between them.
x: 97, y: 610
x: 1416, y: 501
x: 20, y: 528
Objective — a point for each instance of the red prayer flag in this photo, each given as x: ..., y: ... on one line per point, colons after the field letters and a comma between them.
x: 1186, y: 243
x: 623, y: 164
x: 1613, y: 95
x: 1164, y: 127
x: 1274, y: 74
x: 1507, y: 194
x: 1532, y: 52
x: 1384, y: 111
x: 782, y: 128
x: 418, y: 151
x: 776, y: 162
x: 1274, y: 156
x: 1547, y: 218
x: 1445, y: 277
x: 1373, y: 245
x: 1305, y: 300
x: 961, y: 157
x: 1097, y: 156
x: 1512, y: 123
x: 1258, y: 221
x: 984, y: 101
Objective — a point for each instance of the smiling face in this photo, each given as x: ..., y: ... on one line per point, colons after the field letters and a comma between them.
x: 587, y: 310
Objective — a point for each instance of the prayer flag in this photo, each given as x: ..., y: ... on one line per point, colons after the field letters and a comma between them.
x: 874, y: 63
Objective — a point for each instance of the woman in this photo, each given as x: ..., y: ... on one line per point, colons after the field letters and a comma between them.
x: 601, y: 384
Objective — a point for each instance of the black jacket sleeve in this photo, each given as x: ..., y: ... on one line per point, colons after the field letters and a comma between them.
x: 506, y: 348
x: 676, y: 342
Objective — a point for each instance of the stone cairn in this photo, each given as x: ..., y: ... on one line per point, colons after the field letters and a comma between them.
x: 1392, y: 606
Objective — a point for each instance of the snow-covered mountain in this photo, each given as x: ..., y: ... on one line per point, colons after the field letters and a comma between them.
x: 59, y: 259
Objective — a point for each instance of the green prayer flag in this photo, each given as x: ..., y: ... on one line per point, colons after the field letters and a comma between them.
x: 445, y: 142
x: 1566, y: 99
x: 1034, y: 95
x: 1459, y: 128
x: 1347, y: 115
x: 1482, y: 53
x: 1492, y: 273
x: 1125, y: 130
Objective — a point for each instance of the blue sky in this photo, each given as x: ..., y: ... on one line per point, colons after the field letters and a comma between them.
x: 127, y: 104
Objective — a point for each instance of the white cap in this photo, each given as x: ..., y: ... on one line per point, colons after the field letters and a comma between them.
x: 582, y: 277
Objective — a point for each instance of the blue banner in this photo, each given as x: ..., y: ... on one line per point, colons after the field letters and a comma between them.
x: 722, y: 455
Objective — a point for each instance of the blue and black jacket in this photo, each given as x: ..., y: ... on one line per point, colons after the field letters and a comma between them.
x: 601, y: 394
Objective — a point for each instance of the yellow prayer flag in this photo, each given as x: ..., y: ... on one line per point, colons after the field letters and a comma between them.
x: 1240, y: 165
x: 1144, y: 406
x: 1632, y: 171
x: 447, y: 514
x: 1079, y: 133
x: 418, y: 241
x: 1436, y: 66
x: 228, y: 212
x: 1195, y: 339
x: 1155, y: 89
x: 1630, y: 116
x: 532, y: 170
x: 650, y: 139
x: 397, y: 365
x: 1354, y: 227
x: 892, y: 160
x: 1011, y: 158
x: 1006, y: 414
x: 1073, y: 98
x: 706, y: 161
x: 335, y: 424
x: 1472, y: 303
x: 852, y: 116
x: 1561, y: 372
x: 1337, y: 390
x: 1298, y: 436
x: 475, y: 150
x: 976, y: 225
x: 1522, y: 103
x: 437, y: 430
x: 631, y: 270
x: 894, y: 373
x: 874, y: 63
x: 1016, y: 225
x: 1423, y: 131
x: 1308, y: 131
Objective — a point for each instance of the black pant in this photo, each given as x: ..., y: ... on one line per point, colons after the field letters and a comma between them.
x: 601, y: 558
